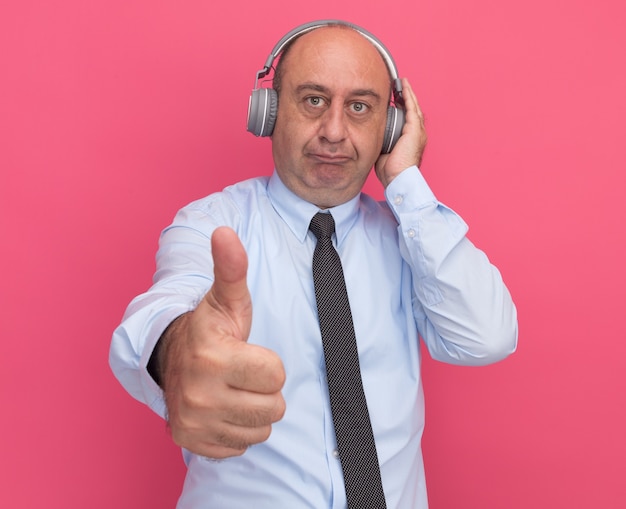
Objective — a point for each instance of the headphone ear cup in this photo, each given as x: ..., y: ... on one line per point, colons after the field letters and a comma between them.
x: 393, y: 129
x: 262, y: 109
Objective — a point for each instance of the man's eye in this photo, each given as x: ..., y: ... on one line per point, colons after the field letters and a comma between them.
x: 358, y: 107
x: 315, y: 101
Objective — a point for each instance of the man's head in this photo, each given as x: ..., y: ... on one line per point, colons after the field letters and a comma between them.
x: 333, y: 94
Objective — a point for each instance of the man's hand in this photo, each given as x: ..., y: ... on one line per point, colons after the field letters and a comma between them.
x: 410, y: 146
x: 222, y: 393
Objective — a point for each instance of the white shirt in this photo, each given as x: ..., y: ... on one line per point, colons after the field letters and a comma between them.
x: 410, y: 271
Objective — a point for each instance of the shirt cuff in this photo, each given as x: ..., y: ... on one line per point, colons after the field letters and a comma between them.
x: 409, y: 191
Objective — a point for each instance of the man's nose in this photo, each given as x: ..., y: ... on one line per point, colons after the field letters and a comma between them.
x: 333, y: 127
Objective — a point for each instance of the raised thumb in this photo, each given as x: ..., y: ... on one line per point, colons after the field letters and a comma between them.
x: 230, y: 290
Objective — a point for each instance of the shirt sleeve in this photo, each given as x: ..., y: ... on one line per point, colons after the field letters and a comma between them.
x: 184, y: 273
x: 462, y: 308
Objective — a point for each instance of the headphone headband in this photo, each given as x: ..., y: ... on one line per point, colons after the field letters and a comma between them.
x: 263, y: 103
x: 308, y: 27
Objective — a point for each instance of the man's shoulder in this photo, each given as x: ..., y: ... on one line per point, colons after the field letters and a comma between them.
x: 234, y: 194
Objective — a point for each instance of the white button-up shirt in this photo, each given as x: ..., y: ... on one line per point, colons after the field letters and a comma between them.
x: 410, y: 272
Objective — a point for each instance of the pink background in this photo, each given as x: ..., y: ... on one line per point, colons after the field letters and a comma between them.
x: 113, y: 114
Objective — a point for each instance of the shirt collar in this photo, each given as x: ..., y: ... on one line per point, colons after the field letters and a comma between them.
x: 297, y: 213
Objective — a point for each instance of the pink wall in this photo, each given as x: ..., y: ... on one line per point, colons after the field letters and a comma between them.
x: 113, y: 114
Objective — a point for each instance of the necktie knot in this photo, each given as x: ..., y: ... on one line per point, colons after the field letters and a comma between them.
x: 322, y: 225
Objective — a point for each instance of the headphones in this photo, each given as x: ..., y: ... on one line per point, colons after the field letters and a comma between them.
x: 263, y: 104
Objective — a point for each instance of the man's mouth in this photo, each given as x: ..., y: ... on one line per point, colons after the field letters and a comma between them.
x: 330, y: 158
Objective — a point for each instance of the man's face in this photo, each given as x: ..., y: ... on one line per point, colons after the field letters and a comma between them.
x: 332, y: 111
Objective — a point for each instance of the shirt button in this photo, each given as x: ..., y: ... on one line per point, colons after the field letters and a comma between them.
x: 336, y: 453
x: 411, y: 233
x: 398, y: 200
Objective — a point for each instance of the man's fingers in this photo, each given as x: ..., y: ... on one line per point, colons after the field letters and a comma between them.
x: 415, y: 120
x: 230, y: 441
x: 235, y: 420
x: 255, y: 410
x: 410, y: 101
x: 256, y: 369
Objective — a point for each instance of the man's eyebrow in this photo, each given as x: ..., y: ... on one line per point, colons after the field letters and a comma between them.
x: 315, y: 87
x: 362, y: 92
x: 312, y: 87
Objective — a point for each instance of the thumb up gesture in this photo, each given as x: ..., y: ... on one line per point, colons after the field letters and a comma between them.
x: 222, y: 394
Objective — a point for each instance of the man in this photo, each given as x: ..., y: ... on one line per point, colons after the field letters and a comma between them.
x: 230, y: 328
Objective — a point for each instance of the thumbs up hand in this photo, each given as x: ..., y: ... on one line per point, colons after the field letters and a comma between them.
x: 222, y: 394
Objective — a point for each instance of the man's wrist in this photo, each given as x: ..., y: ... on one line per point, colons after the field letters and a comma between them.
x: 157, y: 364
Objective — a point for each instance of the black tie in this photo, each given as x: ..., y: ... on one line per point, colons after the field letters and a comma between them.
x: 355, y: 440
